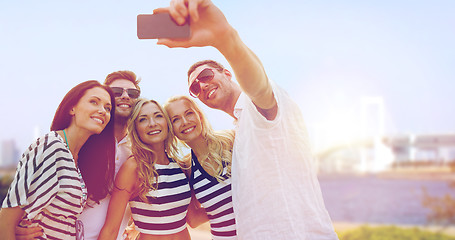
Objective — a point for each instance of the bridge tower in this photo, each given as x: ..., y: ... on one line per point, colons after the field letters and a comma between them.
x: 373, y: 128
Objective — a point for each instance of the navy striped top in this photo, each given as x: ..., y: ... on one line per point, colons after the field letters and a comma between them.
x: 216, y: 198
x: 47, y: 186
x: 166, y: 211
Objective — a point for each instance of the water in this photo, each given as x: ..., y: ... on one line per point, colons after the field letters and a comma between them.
x: 371, y: 199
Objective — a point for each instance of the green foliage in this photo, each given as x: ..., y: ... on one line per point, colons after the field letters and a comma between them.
x: 442, y: 208
x: 452, y: 166
x: 5, y: 181
x: 392, y: 233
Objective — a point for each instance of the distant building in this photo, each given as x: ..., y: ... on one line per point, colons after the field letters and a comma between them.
x: 371, y: 155
x: 428, y: 148
x: 10, y: 155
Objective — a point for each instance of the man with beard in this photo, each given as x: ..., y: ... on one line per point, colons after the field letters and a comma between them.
x: 275, y: 191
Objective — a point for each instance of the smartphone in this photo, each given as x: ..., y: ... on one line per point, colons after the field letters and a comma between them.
x: 160, y: 25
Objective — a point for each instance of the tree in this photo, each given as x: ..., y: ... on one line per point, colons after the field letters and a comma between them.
x: 442, y: 208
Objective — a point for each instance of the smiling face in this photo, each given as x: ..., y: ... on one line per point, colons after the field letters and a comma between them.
x: 123, y: 104
x: 186, y: 122
x: 151, y: 124
x: 216, y: 93
x: 93, y: 111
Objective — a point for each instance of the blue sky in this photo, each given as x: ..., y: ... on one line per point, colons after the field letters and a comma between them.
x: 328, y: 55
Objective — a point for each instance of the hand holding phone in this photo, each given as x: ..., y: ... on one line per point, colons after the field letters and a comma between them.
x: 160, y: 25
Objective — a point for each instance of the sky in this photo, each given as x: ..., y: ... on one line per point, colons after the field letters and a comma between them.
x: 333, y: 58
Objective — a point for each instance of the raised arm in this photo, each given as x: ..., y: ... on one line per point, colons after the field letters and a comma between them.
x: 125, y: 184
x: 209, y: 27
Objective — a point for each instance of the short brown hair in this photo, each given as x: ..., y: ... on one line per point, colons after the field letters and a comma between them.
x: 125, y: 74
x: 211, y: 63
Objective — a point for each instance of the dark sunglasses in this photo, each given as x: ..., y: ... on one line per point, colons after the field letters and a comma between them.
x: 132, y: 92
x: 205, y: 76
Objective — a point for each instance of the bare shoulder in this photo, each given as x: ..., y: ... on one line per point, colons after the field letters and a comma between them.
x: 130, y: 164
x: 127, y: 175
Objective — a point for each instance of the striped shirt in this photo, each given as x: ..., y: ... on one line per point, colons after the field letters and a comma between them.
x: 166, y: 211
x: 216, y: 198
x: 47, y: 186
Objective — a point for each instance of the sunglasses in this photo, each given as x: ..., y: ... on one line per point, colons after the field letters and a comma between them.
x: 132, y: 92
x: 205, y: 76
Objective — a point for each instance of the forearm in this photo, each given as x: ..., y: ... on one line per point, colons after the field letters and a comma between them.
x: 210, y: 28
x: 124, y: 185
x: 196, y: 216
x: 248, y: 69
x: 114, y: 216
x: 108, y: 233
x: 9, y: 219
x: 7, y: 231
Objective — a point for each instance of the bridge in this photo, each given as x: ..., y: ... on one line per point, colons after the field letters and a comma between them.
x: 374, y: 154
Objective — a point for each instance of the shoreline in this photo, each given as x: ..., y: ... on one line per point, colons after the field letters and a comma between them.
x: 428, y: 173
x: 341, y: 227
x: 418, y: 173
x: 203, y: 232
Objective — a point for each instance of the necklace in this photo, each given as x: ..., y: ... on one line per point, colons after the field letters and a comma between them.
x: 83, y: 186
x: 67, y: 144
x: 66, y: 140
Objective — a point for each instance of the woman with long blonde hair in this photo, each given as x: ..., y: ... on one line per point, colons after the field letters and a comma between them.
x: 151, y: 180
x: 211, y: 154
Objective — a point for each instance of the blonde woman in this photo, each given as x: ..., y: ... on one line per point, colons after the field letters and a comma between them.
x: 150, y: 180
x: 210, y: 165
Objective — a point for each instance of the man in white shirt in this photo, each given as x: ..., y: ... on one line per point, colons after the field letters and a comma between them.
x: 276, y: 194
x: 126, y: 90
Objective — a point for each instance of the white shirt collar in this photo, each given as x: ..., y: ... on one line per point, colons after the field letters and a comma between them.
x: 123, y: 140
x: 239, y: 105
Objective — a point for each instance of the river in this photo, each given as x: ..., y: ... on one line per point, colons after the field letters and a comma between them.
x: 372, y: 199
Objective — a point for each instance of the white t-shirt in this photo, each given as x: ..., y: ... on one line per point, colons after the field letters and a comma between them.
x: 93, y: 217
x: 275, y: 190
